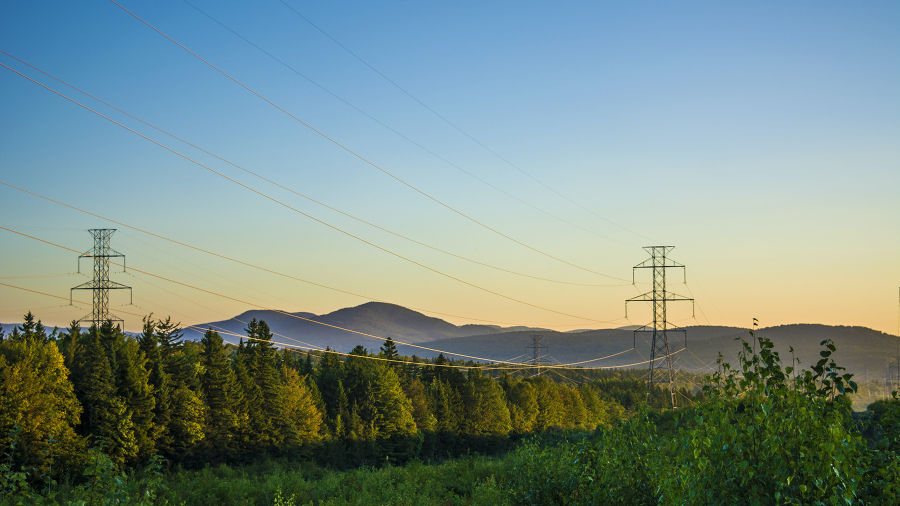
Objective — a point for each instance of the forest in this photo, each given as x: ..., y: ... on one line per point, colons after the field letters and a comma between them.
x: 101, y: 417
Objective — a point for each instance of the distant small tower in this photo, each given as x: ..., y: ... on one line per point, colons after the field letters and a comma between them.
x: 100, y: 285
x: 536, y: 348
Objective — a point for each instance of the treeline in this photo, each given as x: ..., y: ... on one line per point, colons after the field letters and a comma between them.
x: 63, y: 392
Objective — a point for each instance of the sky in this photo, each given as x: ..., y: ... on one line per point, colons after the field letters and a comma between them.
x: 549, y: 139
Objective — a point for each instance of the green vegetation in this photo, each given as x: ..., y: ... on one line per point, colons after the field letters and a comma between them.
x: 100, y: 418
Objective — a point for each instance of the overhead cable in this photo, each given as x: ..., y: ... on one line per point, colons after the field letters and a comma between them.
x: 310, y: 320
x: 359, y: 156
x: 303, y: 195
x: 455, y: 126
x: 298, y: 211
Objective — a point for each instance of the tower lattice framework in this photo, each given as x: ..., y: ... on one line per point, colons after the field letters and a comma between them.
x: 100, y: 285
x: 660, y: 328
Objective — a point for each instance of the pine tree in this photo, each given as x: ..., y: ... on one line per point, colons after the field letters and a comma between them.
x: 69, y: 345
x: 392, y: 410
x: 133, y: 386
x: 389, y: 349
x: 161, y: 386
x: 188, y: 417
x: 415, y: 392
x: 267, y: 408
x: 329, y: 379
x: 217, y: 385
x: 105, y: 418
x: 445, y: 406
x: 303, y: 420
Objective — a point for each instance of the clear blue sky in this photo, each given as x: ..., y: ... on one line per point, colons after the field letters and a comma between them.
x: 760, y: 139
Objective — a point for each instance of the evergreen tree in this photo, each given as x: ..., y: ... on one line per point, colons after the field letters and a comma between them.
x: 389, y: 351
x: 133, y: 386
x: 105, y: 418
x: 266, y: 407
x: 329, y: 379
x: 69, y: 345
x: 188, y: 416
x: 217, y: 385
x: 392, y: 413
x: 415, y: 391
x: 445, y: 406
x: 161, y: 386
x: 303, y: 419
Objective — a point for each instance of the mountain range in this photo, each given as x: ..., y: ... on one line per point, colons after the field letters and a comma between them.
x: 860, y: 349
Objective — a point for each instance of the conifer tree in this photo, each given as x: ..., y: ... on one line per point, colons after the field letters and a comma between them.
x: 389, y: 350
x: 392, y: 410
x: 105, y: 418
x: 161, y: 386
x: 329, y: 379
x: 133, y: 386
x: 415, y: 392
x: 266, y: 407
x: 188, y: 415
x: 217, y: 385
x: 445, y: 406
x: 303, y: 420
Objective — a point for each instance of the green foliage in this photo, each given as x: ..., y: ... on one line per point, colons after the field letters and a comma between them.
x: 38, y: 407
x: 761, y: 432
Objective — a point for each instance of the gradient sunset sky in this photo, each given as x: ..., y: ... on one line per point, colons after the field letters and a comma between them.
x: 761, y: 140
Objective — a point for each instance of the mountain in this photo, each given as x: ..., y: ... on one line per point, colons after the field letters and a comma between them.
x: 861, y: 350
x: 378, y: 318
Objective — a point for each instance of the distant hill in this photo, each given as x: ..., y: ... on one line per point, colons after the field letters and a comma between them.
x: 861, y: 350
x: 378, y: 318
x: 858, y: 348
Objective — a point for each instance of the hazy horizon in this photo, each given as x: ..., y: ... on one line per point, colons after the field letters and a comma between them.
x: 759, y: 140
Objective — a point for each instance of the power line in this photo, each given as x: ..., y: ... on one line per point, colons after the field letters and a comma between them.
x: 519, y: 366
x: 400, y: 134
x: 236, y: 260
x: 358, y: 155
x: 235, y: 299
x: 300, y: 194
x: 455, y: 126
x: 294, y: 209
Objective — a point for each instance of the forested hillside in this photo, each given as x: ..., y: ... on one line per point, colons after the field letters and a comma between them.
x: 103, y: 418
x: 200, y: 402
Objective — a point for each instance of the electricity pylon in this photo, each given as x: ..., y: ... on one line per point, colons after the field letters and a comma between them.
x: 100, y: 285
x: 660, y: 328
x: 536, y: 348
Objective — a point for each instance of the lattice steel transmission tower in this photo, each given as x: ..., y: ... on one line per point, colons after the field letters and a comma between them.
x: 660, y: 328
x: 536, y: 348
x: 100, y: 284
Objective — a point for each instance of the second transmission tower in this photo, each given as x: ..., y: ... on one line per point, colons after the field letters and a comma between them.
x: 536, y: 348
x: 100, y: 285
x: 660, y: 328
